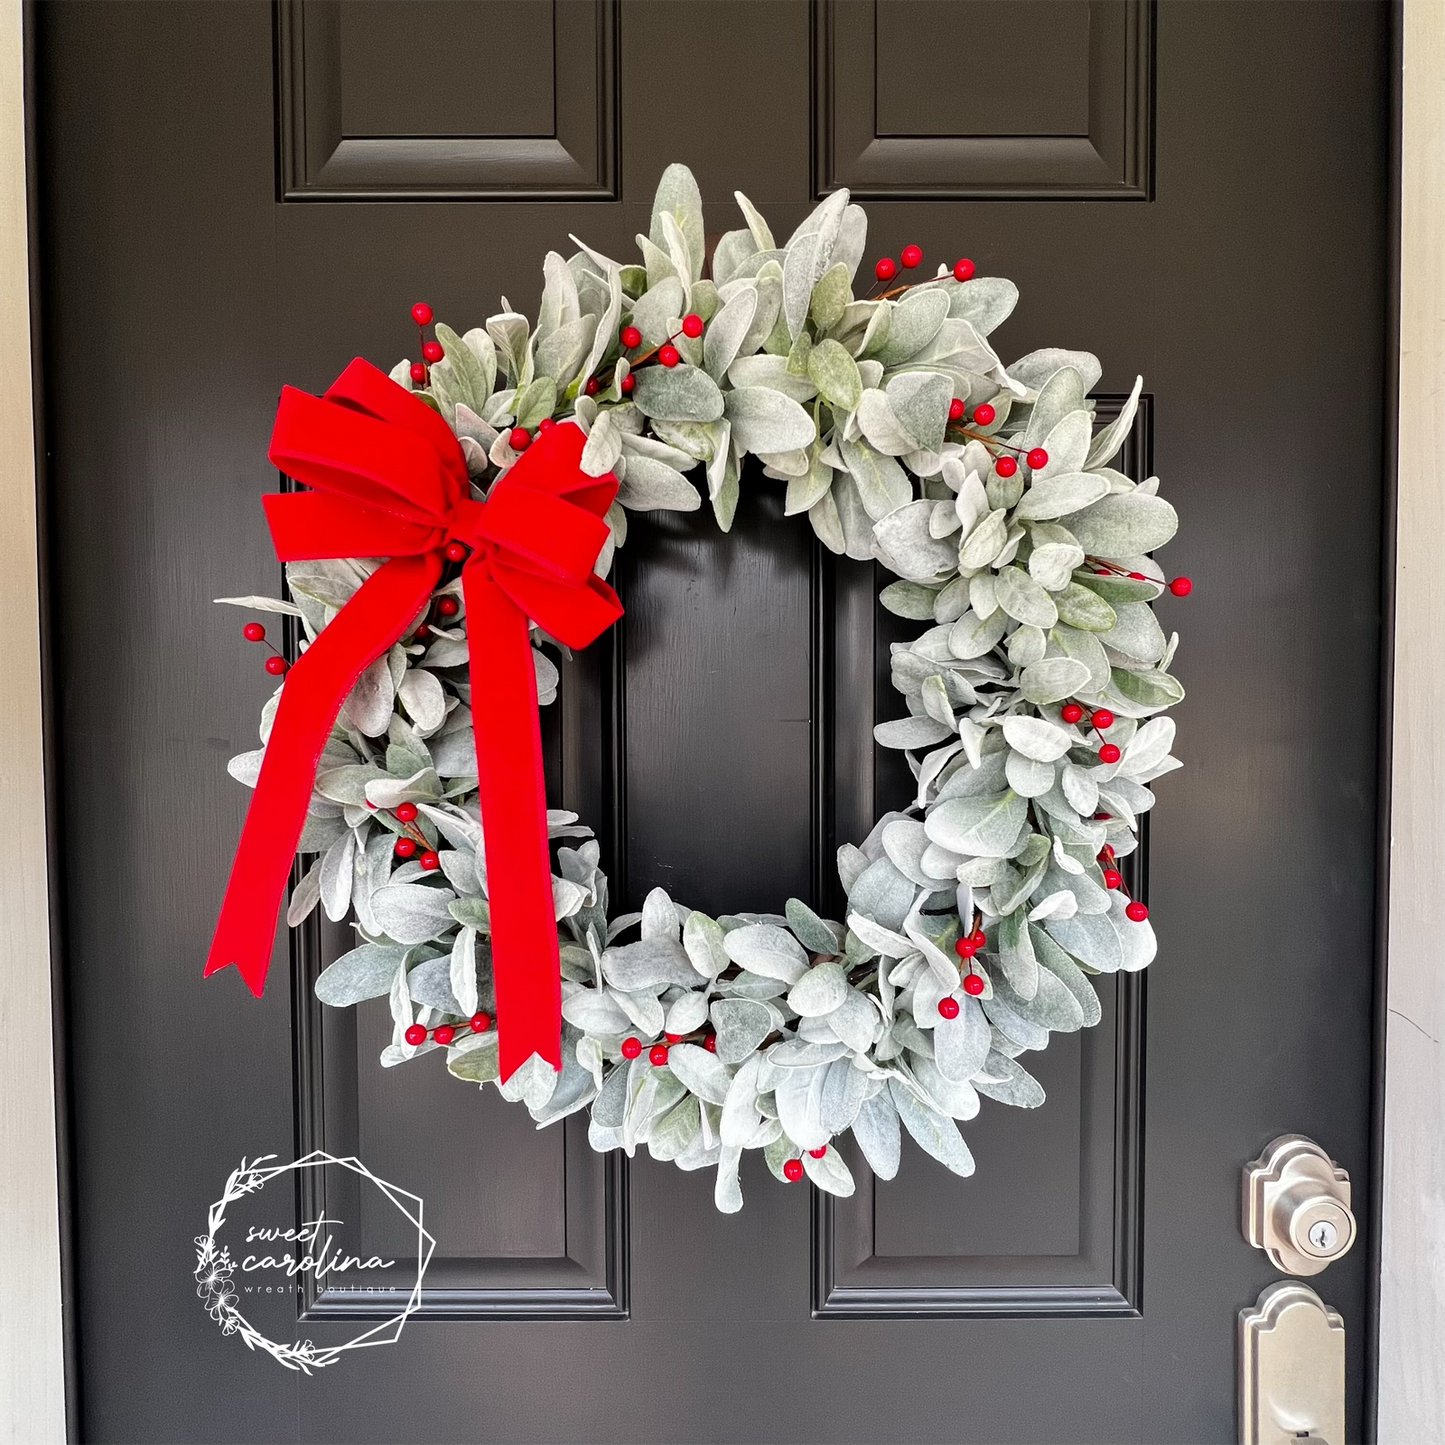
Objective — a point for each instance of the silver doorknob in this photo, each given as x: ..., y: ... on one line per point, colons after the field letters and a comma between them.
x: 1297, y: 1205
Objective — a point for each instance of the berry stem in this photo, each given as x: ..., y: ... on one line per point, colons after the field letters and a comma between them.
x: 649, y: 354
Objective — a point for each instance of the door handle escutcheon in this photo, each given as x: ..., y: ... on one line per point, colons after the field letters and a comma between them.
x: 1291, y: 1368
x: 1296, y: 1205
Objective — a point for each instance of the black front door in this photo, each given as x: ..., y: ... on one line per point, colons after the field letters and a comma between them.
x: 233, y: 196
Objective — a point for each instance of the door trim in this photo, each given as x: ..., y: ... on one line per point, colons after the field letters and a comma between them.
x: 1410, y: 1375
x: 32, y: 1347
x: 1410, y: 1359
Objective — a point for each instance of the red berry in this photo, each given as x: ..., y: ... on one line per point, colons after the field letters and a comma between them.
x: 628, y: 382
x: 444, y: 1034
x: 1037, y: 458
x: 631, y: 1047
x: 630, y: 337
x: 480, y: 1022
x: 973, y: 985
x: 421, y: 314
x: 432, y: 351
x: 591, y: 387
x: 817, y: 1153
x: 404, y: 847
x: 956, y: 410
x: 1102, y: 718
x: 978, y: 937
x: 1138, y: 577
x: 911, y: 256
x: 275, y: 666
x: 793, y: 1168
x: 667, y: 354
x: 657, y: 1055
x: 948, y: 1007
x: 962, y: 269
x: 965, y: 948
x: 1005, y: 466
x: 710, y: 1043
x: 418, y: 372
x: 519, y: 438
x: 984, y: 414
x: 1136, y: 911
x: 1181, y: 587
x: 692, y: 324
x: 405, y: 812
x: 253, y: 632
x: 448, y: 606
x: 1109, y: 753
x: 546, y: 424
x: 415, y: 1034
x: 886, y: 268
x: 1112, y: 878
x: 1071, y: 712
x: 430, y: 861
x: 1102, y: 817
x: 674, y: 1038
x: 455, y: 552
x: 1106, y: 852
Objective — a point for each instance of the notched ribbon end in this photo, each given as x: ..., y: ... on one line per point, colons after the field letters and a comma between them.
x: 255, y: 978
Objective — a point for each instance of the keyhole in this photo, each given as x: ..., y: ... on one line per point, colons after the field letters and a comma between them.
x: 1323, y: 1235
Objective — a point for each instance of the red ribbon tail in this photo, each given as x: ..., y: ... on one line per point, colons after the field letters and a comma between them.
x: 525, y: 962
x: 316, y: 686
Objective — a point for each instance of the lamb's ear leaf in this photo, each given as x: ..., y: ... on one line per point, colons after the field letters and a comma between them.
x: 678, y: 196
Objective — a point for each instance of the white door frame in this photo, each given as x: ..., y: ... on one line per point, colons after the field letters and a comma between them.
x: 32, y: 1355
x: 1410, y: 1384
x: 1410, y: 1387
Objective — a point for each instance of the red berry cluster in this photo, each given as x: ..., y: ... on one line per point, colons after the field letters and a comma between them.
x: 886, y: 268
x: 1099, y: 719
x: 665, y: 354
x: 1180, y: 586
x: 1135, y: 911
x: 793, y: 1168
x: 276, y: 664
x: 443, y: 1034
x: 631, y: 1047
x: 973, y: 984
x: 431, y: 351
x: 412, y: 837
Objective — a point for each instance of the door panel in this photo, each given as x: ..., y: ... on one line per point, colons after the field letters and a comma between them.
x: 236, y: 195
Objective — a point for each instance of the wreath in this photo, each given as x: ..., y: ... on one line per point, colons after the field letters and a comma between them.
x: 976, y: 915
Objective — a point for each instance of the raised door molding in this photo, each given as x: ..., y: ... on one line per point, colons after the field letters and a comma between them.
x: 1056, y: 101
x: 546, y: 1215
x: 352, y: 125
x: 1052, y: 1223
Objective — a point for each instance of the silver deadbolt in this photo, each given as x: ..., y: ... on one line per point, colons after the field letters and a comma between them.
x: 1297, y: 1206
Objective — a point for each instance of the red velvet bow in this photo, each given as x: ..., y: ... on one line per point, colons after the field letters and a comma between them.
x: 390, y: 481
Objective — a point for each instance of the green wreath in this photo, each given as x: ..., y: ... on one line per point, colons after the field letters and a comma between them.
x: 977, y: 914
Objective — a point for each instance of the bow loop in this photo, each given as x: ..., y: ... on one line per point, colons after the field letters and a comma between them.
x: 363, y: 386
x: 541, y: 532
x: 375, y: 463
